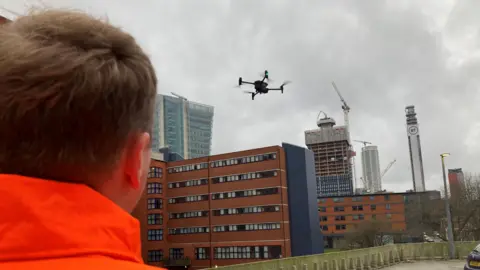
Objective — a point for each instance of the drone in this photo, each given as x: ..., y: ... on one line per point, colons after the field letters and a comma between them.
x: 261, y: 87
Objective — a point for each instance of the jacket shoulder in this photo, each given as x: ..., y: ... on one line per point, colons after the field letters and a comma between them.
x: 78, y: 263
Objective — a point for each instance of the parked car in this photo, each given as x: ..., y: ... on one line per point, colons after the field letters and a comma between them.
x: 473, y: 259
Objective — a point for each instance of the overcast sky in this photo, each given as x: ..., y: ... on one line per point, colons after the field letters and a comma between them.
x: 383, y: 55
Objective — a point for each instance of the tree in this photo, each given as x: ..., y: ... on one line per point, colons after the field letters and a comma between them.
x: 369, y: 233
x: 428, y: 216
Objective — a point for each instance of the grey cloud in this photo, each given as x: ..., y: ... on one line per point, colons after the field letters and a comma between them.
x: 383, y: 55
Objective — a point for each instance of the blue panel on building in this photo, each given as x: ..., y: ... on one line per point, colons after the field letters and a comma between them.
x: 305, y: 235
x: 334, y: 185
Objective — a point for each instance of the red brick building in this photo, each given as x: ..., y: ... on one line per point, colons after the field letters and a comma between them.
x: 217, y: 210
x: 338, y: 215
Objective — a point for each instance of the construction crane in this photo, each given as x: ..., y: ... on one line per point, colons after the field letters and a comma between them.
x: 364, y: 142
x: 346, y: 110
x: 345, y: 107
x: 387, y: 169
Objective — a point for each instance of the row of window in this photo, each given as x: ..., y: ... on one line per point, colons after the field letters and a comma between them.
x: 188, y: 230
x: 247, y: 227
x: 354, y: 217
x: 373, y: 207
x: 244, y: 176
x: 154, y: 203
x: 246, y: 210
x: 253, y: 252
x: 192, y: 214
x: 243, y: 160
x: 341, y: 218
x: 245, y: 193
x: 155, y: 172
x: 354, y: 199
x: 155, y: 219
x: 193, y: 198
x: 188, y: 168
x: 154, y: 188
x: 236, y: 252
x: 188, y: 183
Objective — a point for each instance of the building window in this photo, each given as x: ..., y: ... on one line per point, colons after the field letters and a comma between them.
x: 340, y: 227
x: 202, y: 253
x: 245, y: 193
x: 322, y: 209
x: 155, y: 235
x: 324, y: 228
x: 387, y: 197
x: 243, y: 160
x: 323, y: 218
x: 357, y: 208
x: 389, y: 216
x: 154, y: 203
x: 247, y: 227
x: 187, y: 199
x: 176, y: 253
x: 387, y: 206
x: 374, y: 217
x: 244, y: 176
x: 155, y: 255
x: 338, y: 199
x: 372, y: 198
x: 155, y: 219
x: 188, y: 168
x: 373, y: 207
x: 337, y: 218
x: 154, y: 188
x: 339, y: 209
x: 192, y: 214
x: 246, y: 210
x: 188, y: 230
x: 321, y: 200
x: 155, y: 172
x: 251, y: 252
x: 357, y: 199
x: 188, y: 183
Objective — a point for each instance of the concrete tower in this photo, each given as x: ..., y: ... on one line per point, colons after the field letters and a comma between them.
x: 331, y: 150
x: 371, y: 168
x: 415, y: 148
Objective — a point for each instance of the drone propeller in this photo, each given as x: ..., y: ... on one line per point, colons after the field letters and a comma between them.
x: 263, y: 74
x: 283, y: 84
x: 249, y: 92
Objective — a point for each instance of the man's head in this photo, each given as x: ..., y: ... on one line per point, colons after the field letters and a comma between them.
x: 77, y: 97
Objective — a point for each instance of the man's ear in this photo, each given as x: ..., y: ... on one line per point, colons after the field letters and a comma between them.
x: 135, y: 159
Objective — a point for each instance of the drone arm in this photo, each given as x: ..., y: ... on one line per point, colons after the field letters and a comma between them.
x: 244, y: 82
x: 274, y: 89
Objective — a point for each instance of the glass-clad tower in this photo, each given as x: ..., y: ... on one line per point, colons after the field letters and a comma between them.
x: 184, y: 126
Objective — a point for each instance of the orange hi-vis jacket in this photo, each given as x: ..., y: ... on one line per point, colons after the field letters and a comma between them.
x: 51, y: 225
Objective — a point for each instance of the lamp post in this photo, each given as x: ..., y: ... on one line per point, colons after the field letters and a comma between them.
x: 451, y: 244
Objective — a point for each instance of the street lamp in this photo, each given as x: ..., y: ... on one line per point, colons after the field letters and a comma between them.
x: 451, y: 244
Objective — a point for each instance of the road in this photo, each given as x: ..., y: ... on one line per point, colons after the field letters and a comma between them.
x: 429, y: 265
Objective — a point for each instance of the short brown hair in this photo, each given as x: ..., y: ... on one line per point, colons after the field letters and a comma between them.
x: 73, y: 89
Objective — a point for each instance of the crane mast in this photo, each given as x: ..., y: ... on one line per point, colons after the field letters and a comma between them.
x: 346, y: 111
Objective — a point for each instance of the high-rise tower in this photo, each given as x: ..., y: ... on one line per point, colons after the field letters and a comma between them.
x: 415, y: 148
x: 371, y: 168
x: 182, y: 125
x: 331, y: 150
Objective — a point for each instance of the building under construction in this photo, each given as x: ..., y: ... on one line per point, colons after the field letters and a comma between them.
x: 331, y: 149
